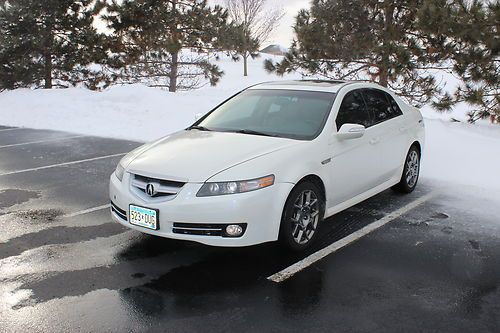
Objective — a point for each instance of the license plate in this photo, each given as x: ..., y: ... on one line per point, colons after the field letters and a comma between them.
x: 143, y: 217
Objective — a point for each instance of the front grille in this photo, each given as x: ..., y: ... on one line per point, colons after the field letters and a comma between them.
x: 166, y: 189
x: 202, y: 229
x: 118, y: 211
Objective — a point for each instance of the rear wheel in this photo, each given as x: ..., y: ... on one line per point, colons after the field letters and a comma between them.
x: 411, y: 172
x: 302, y: 214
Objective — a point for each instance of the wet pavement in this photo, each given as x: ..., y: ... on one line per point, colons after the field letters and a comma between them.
x: 65, y: 266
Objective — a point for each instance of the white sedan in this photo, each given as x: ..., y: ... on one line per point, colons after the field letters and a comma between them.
x: 271, y: 162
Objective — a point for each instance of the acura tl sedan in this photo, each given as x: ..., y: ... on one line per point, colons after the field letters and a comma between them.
x: 271, y: 163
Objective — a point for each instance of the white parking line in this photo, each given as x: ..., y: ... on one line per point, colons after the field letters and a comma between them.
x: 42, y: 141
x: 86, y: 211
x: 10, y: 129
x: 60, y: 164
x: 306, y: 262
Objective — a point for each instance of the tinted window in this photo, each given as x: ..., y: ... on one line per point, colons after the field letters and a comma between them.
x: 285, y: 113
x: 353, y: 110
x: 378, y: 105
x: 395, y: 109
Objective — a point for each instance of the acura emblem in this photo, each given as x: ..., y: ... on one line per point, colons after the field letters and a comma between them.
x: 150, y: 189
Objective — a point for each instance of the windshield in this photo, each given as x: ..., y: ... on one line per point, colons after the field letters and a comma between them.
x: 283, y: 113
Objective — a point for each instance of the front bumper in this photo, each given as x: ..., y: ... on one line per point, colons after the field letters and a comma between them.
x: 260, y: 210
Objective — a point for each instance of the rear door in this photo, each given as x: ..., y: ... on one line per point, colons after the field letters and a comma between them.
x: 388, y: 129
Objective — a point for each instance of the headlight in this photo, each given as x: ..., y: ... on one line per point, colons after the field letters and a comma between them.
x: 221, y: 188
x: 125, y: 161
x: 120, y: 170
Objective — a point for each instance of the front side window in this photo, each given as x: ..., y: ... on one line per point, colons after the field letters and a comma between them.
x: 283, y: 113
x: 353, y: 110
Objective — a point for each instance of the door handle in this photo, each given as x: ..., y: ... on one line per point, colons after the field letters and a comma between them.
x: 403, y: 129
x: 374, y: 141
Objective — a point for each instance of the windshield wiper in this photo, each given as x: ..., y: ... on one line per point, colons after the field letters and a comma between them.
x: 252, y: 132
x: 198, y: 127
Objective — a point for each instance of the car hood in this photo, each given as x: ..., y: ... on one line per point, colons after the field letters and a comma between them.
x: 195, y: 156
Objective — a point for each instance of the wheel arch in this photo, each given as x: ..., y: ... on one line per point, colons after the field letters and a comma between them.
x: 284, y: 231
x: 316, y: 180
x: 417, y: 144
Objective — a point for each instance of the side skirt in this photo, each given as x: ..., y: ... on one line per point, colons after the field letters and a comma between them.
x: 361, y: 197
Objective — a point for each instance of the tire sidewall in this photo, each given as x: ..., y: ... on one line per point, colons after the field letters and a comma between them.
x: 285, y: 234
x: 404, y: 183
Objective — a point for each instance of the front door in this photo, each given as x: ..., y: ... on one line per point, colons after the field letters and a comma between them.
x: 355, y: 166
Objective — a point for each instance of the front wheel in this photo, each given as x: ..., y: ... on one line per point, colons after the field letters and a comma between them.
x: 304, y: 209
x: 411, y: 172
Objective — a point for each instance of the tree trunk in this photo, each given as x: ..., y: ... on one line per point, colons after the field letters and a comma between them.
x: 174, y: 67
x: 383, y: 79
x: 47, y: 71
x: 384, y: 63
x: 245, y: 65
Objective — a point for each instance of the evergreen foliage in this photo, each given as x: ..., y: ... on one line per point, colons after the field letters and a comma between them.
x: 150, y: 34
x: 252, y: 22
x: 467, y: 33
x: 49, y: 43
x: 238, y: 43
x: 169, y: 43
x: 364, y: 40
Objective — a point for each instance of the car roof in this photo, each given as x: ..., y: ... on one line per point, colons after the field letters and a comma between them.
x: 311, y: 85
x: 332, y: 86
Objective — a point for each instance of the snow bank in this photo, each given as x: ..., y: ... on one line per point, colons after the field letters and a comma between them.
x: 461, y: 153
x: 455, y: 152
x: 133, y: 112
x: 128, y: 112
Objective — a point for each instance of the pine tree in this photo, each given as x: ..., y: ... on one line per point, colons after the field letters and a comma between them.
x: 253, y: 23
x: 150, y: 35
x: 237, y: 43
x: 467, y: 33
x: 368, y: 40
x: 48, y: 43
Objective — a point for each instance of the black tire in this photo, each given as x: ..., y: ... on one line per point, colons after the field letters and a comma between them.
x: 407, y: 184
x: 290, y: 228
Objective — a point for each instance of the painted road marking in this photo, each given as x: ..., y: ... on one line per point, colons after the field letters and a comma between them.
x: 10, y: 129
x: 86, y: 211
x: 311, y: 259
x: 61, y: 164
x: 42, y: 141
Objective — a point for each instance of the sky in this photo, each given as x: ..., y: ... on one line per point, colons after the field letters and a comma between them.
x: 283, y: 34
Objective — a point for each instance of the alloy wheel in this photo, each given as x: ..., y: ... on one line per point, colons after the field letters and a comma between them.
x: 305, y: 216
x: 412, y: 168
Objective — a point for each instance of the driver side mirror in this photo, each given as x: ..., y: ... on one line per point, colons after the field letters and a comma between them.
x: 350, y: 131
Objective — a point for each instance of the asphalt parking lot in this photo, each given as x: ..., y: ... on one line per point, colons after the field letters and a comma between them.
x: 65, y: 266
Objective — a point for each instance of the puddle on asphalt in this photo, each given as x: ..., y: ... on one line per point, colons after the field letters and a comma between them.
x: 146, y: 246
x: 42, y: 215
x: 440, y: 215
x: 433, y: 218
x: 10, y: 197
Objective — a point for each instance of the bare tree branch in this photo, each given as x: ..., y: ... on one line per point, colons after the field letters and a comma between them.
x: 257, y: 20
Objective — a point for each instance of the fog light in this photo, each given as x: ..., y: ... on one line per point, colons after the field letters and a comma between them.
x: 234, y: 230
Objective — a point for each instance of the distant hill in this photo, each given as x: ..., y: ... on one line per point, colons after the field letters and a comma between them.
x: 274, y: 49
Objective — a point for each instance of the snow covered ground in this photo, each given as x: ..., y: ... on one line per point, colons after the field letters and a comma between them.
x: 455, y: 152
x: 133, y: 112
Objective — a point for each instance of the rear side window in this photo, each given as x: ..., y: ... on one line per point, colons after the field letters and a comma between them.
x: 378, y: 105
x: 395, y: 109
x: 353, y: 110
